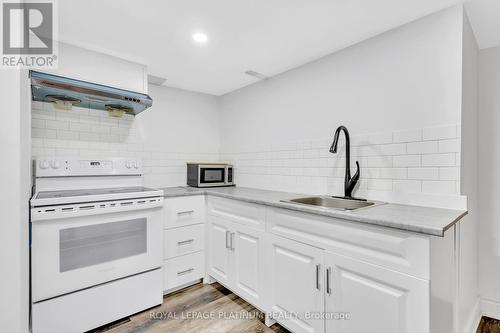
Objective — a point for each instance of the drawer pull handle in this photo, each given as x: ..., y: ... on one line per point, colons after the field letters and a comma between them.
x: 232, y: 241
x: 186, y: 271
x: 186, y: 212
x: 228, y: 234
x: 186, y: 242
x: 318, y: 267
x: 328, y: 277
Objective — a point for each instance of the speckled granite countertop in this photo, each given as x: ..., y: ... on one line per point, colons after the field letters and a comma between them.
x: 424, y: 220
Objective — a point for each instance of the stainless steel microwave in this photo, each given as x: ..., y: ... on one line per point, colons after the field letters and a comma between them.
x: 209, y: 175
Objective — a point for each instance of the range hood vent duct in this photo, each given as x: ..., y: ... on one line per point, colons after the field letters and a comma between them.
x: 65, y: 92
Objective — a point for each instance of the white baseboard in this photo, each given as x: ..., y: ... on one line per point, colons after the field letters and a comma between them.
x: 490, y: 308
x: 474, y: 318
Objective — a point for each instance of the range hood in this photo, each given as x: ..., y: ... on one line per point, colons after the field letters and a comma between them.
x: 66, y: 92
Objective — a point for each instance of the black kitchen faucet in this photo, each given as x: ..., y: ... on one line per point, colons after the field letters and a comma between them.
x: 349, y: 182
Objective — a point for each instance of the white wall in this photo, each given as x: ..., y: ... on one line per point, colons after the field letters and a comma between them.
x: 406, y: 79
x: 14, y: 196
x: 82, y: 64
x: 468, y: 292
x: 180, y: 126
x: 489, y: 177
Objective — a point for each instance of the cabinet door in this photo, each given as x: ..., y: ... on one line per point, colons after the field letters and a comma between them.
x: 373, y: 299
x: 219, y: 249
x: 295, y: 284
x: 248, y: 262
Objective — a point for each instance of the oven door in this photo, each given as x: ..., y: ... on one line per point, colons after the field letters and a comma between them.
x: 212, y: 175
x: 69, y: 254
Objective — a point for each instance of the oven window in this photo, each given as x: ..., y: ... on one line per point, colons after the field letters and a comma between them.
x: 90, y: 245
x: 212, y: 175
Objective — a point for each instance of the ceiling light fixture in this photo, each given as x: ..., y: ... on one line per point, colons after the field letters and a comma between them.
x: 200, y: 37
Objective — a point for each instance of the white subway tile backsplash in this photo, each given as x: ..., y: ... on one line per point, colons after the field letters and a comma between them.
x: 393, y: 173
x: 79, y: 127
x: 425, y: 147
x: 407, y: 161
x: 451, y: 173
x: 43, y: 133
x: 109, y: 137
x: 66, y: 116
x: 410, y: 161
x: 437, y: 160
x: 410, y: 186
x: 391, y: 149
x: 87, y: 136
x: 37, y: 123
x: 101, y: 129
x: 439, y: 187
x: 67, y: 135
x: 379, y: 184
x: 40, y: 114
x: 57, y: 124
x: 449, y: 146
x: 423, y: 173
x: 389, y: 162
x: 378, y: 161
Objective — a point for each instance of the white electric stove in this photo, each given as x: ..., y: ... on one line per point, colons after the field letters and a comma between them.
x: 96, y: 250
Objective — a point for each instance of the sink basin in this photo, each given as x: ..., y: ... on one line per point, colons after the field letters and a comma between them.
x: 334, y: 203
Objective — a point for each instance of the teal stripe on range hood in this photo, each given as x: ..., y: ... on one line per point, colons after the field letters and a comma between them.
x: 91, y: 95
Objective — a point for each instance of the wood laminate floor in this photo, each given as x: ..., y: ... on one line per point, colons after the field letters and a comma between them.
x: 489, y: 325
x: 197, y: 309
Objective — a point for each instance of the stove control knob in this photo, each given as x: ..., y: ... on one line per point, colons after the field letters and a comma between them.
x: 44, y: 164
x: 128, y: 165
x: 55, y: 165
x: 136, y: 166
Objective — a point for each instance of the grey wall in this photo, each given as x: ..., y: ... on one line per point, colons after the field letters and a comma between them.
x: 489, y: 176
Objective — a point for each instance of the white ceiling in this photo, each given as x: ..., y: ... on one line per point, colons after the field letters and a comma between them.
x: 267, y: 36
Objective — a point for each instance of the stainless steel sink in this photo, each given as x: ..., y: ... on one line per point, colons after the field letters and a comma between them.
x: 334, y: 203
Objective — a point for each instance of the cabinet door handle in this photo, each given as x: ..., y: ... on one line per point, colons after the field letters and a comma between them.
x: 185, y: 212
x: 186, y: 271
x: 232, y: 241
x: 328, y: 277
x: 186, y: 242
x: 228, y: 235
x: 318, y: 267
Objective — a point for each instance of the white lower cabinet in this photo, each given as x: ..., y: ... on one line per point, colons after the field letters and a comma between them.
x: 317, y: 274
x: 247, y: 263
x: 235, y: 258
x: 296, y: 285
x: 219, y: 250
x: 182, y: 270
x: 184, y: 242
x: 312, y: 290
x: 361, y: 297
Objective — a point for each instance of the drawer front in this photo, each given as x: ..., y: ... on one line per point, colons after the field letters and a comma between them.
x: 400, y: 251
x: 183, y: 240
x: 184, y: 211
x: 245, y: 213
x: 182, y: 270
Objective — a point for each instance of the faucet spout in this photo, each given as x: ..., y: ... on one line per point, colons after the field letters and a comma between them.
x: 349, y: 182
